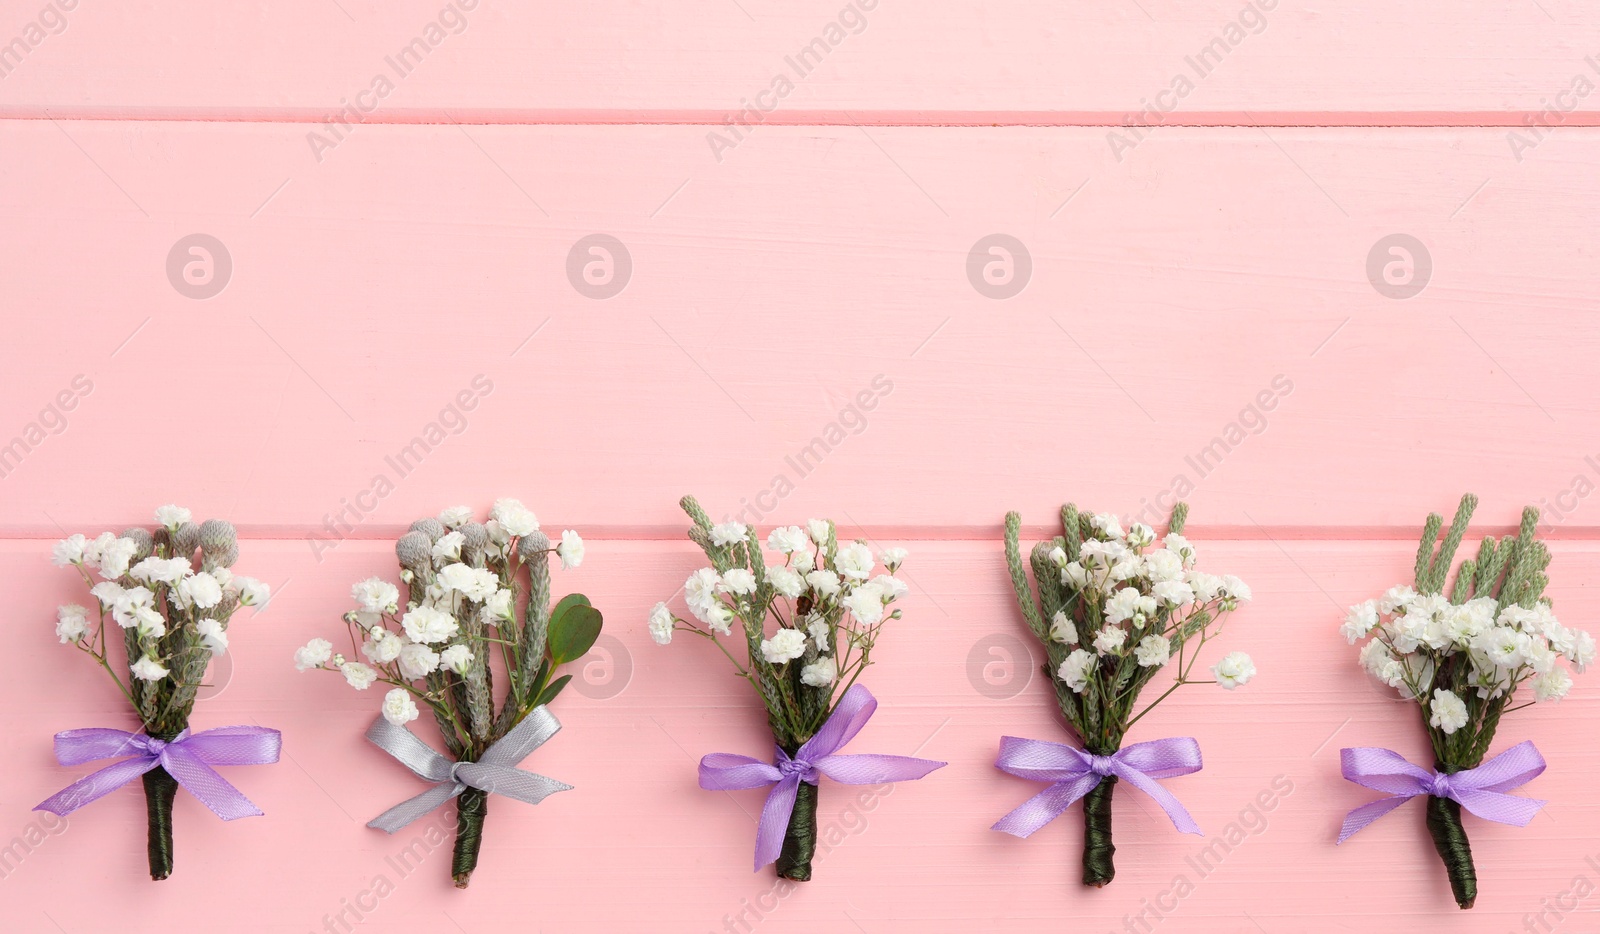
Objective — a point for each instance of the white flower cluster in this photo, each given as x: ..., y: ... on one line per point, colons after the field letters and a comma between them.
x: 153, y: 587
x: 456, y: 581
x: 828, y: 604
x: 1138, y: 601
x: 1487, y: 650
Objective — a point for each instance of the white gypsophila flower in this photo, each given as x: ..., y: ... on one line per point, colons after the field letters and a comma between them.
x: 1109, y: 640
x: 819, y: 630
x: 497, y: 533
x: 453, y: 517
x: 825, y: 583
x: 135, y: 608
x: 251, y: 591
x: 1503, y: 645
x: 803, y: 561
x: 499, y: 608
x: 399, y: 708
x: 1128, y: 566
x: 1173, y: 593
x: 720, y: 619
x: 173, y: 516
x: 376, y: 595
x: 1206, y: 586
x: 1448, y: 712
x: 854, y: 561
x: 700, y: 592
x: 382, y: 646
x: 357, y: 675
x: 1582, y: 654
x: 96, y: 547
x: 865, y: 603
x: 787, y: 539
x: 1140, y: 535
x: 818, y: 529
x: 161, y: 570
x: 1236, y: 588
x: 1235, y: 669
x: 893, y: 587
x: 785, y: 583
x: 820, y: 673
x: 661, y: 624
x: 1396, y: 598
x: 515, y: 519
x: 1074, y: 670
x: 784, y: 646
x: 729, y: 533
x: 447, y: 547
x: 212, y: 635
x: 739, y: 581
x: 201, y: 590
x: 1125, y: 604
x: 1539, y: 656
x: 1062, y: 630
x: 457, y: 658
x: 72, y: 623
x: 892, y: 558
x: 148, y: 669
x: 1108, y: 524
x: 313, y: 654
x: 1181, y: 547
x: 114, y: 557
x: 106, y: 592
x: 1162, y: 565
x: 1100, y: 554
x: 1057, y: 556
x: 429, y: 625
x: 1552, y: 685
x: 417, y: 661
x: 570, y: 551
x: 477, y: 584
x: 68, y: 551
x: 1359, y: 621
x: 1153, y: 651
x: 1075, y: 575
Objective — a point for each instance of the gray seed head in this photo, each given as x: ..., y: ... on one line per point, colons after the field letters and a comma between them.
x: 186, y: 539
x: 216, y: 536
x: 147, y: 543
x: 533, y: 545
x: 474, y: 538
x: 225, y: 559
x: 430, y: 527
x: 414, y: 549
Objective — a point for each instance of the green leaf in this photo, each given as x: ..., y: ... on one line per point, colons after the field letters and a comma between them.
x: 573, y: 632
x: 549, y: 693
x: 568, y: 602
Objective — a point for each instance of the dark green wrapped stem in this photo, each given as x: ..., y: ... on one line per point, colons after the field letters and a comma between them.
x: 1450, y: 839
x: 1098, y: 869
x: 472, y: 806
x: 160, y: 789
x: 800, y: 840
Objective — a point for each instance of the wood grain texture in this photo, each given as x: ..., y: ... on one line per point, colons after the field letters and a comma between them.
x: 869, y: 60
x: 922, y: 857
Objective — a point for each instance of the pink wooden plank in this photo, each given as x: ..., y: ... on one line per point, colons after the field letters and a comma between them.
x: 637, y: 846
x: 1219, y: 60
x: 1199, y: 319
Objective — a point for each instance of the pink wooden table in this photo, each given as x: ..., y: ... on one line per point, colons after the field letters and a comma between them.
x: 400, y: 190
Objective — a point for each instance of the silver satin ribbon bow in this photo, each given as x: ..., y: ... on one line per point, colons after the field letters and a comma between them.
x: 495, y: 772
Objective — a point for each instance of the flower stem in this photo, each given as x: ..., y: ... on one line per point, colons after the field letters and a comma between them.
x: 160, y: 789
x: 800, y: 839
x: 1450, y: 839
x: 1097, y: 847
x: 472, y: 807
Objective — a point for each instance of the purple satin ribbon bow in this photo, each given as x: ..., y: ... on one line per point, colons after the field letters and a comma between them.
x: 725, y: 771
x: 1074, y: 773
x: 187, y: 758
x: 1480, y: 790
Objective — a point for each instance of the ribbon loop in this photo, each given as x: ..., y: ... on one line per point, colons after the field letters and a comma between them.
x: 495, y: 771
x: 188, y: 758
x: 1480, y: 790
x: 1074, y: 772
x: 726, y: 771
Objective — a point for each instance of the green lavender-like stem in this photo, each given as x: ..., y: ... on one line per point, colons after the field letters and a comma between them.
x: 800, y: 839
x: 160, y: 789
x: 1098, y: 869
x: 1450, y: 839
x: 472, y: 807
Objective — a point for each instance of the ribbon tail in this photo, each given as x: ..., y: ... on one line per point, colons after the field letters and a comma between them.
x: 775, y: 816
x: 872, y: 768
x: 202, y: 781
x: 94, y: 786
x: 1367, y: 813
x: 1168, y: 801
x: 414, y: 808
x: 1045, y: 806
x: 1500, y: 808
x: 727, y: 771
x: 529, y: 787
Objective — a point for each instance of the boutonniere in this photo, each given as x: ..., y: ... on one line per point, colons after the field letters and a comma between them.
x: 161, y: 612
x: 1461, y: 654
x: 1114, y: 610
x: 472, y: 590
x: 802, y: 630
